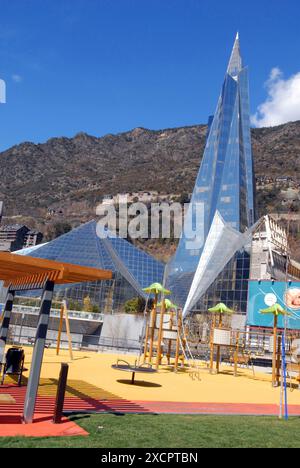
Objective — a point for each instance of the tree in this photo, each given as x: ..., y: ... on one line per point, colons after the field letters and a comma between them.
x: 87, y: 304
x: 57, y: 229
x: 137, y: 305
x: 184, y: 198
x: 74, y: 305
x: 96, y: 309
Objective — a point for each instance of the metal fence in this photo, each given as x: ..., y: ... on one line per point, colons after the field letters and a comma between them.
x: 79, y: 343
x: 23, y: 329
x: 55, y: 313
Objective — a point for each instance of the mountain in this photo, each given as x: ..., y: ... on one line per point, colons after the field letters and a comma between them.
x: 70, y: 175
x: 62, y: 170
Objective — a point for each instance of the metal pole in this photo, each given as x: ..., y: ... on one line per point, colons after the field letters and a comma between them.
x: 286, y: 414
x: 38, y: 353
x: 6, y: 321
x: 274, y: 359
x: 281, y: 389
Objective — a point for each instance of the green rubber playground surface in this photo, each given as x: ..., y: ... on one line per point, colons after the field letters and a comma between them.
x: 172, y: 431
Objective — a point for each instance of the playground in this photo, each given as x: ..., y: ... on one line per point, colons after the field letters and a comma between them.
x: 94, y: 387
x: 91, y: 379
x: 165, y: 400
x: 183, y: 368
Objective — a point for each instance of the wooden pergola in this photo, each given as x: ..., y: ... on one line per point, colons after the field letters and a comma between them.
x: 22, y: 273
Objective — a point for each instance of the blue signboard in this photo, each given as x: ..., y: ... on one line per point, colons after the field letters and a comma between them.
x: 264, y: 294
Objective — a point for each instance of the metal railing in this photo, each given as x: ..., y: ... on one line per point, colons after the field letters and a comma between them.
x: 79, y: 343
x: 55, y: 313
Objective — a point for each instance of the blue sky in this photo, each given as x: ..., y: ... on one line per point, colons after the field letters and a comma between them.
x: 106, y: 66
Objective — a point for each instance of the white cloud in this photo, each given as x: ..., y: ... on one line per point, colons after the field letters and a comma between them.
x: 2, y: 92
x: 283, y: 102
x: 17, y: 78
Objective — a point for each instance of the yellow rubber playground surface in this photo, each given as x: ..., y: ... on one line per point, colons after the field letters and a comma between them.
x: 91, y: 379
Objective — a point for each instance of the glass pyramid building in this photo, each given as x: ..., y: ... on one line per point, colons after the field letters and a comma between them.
x: 132, y: 268
x: 224, y: 186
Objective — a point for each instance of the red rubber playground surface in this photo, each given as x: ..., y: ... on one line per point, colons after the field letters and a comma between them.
x: 11, y: 420
x: 45, y: 406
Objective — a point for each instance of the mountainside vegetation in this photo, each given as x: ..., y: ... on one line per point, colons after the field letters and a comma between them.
x: 58, y: 184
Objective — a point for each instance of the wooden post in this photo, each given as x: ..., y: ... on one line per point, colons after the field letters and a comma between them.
x: 218, y: 358
x: 146, y: 341
x: 183, y: 349
x: 179, y: 330
x: 60, y: 395
x: 61, y: 319
x: 278, y: 361
x: 152, y: 328
x: 2, y: 317
x: 274, y: 351
x: 212, y: 348
x: 169, y: 352
x: 160, y: 334
x: 177, y: 353
x: 170, y: 341
x: 220, y: 321
x: 68, y: 329
x: 64, y: 315
x: 236, y: 353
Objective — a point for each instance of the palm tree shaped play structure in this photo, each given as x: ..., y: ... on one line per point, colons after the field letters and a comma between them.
x: 156, y: 289
x: 218, y: 312
x: 171, y: 309
x: 168, y: 305
x: 277, y: 311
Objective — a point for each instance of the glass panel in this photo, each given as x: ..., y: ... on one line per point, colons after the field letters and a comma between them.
x: 224, y: 183
x: 133, y: 269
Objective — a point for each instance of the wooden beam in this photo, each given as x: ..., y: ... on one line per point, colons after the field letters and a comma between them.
x: 160, y: 333
x: 68, y: 329
x: 60, y: 328
x: 64, y: 315
x: 30, y: 273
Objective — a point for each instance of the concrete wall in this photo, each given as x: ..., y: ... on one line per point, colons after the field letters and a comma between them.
x: 122, y: 330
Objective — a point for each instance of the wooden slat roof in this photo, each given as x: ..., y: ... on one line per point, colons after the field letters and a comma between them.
x: 24, y: 271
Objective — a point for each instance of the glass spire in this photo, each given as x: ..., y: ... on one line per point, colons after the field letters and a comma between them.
x: 225, y: 180
x: 235, y: 63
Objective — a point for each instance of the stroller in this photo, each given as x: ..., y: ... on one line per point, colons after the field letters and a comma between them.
x: 14, y: 364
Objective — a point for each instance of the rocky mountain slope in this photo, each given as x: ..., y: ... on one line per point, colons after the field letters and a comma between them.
x: 64, y: 170
x: 70, y: 175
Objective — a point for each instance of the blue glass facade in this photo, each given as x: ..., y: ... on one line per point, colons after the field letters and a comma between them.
x: 133, y: 269
x: 224, y: 184
x: 231, y: 286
